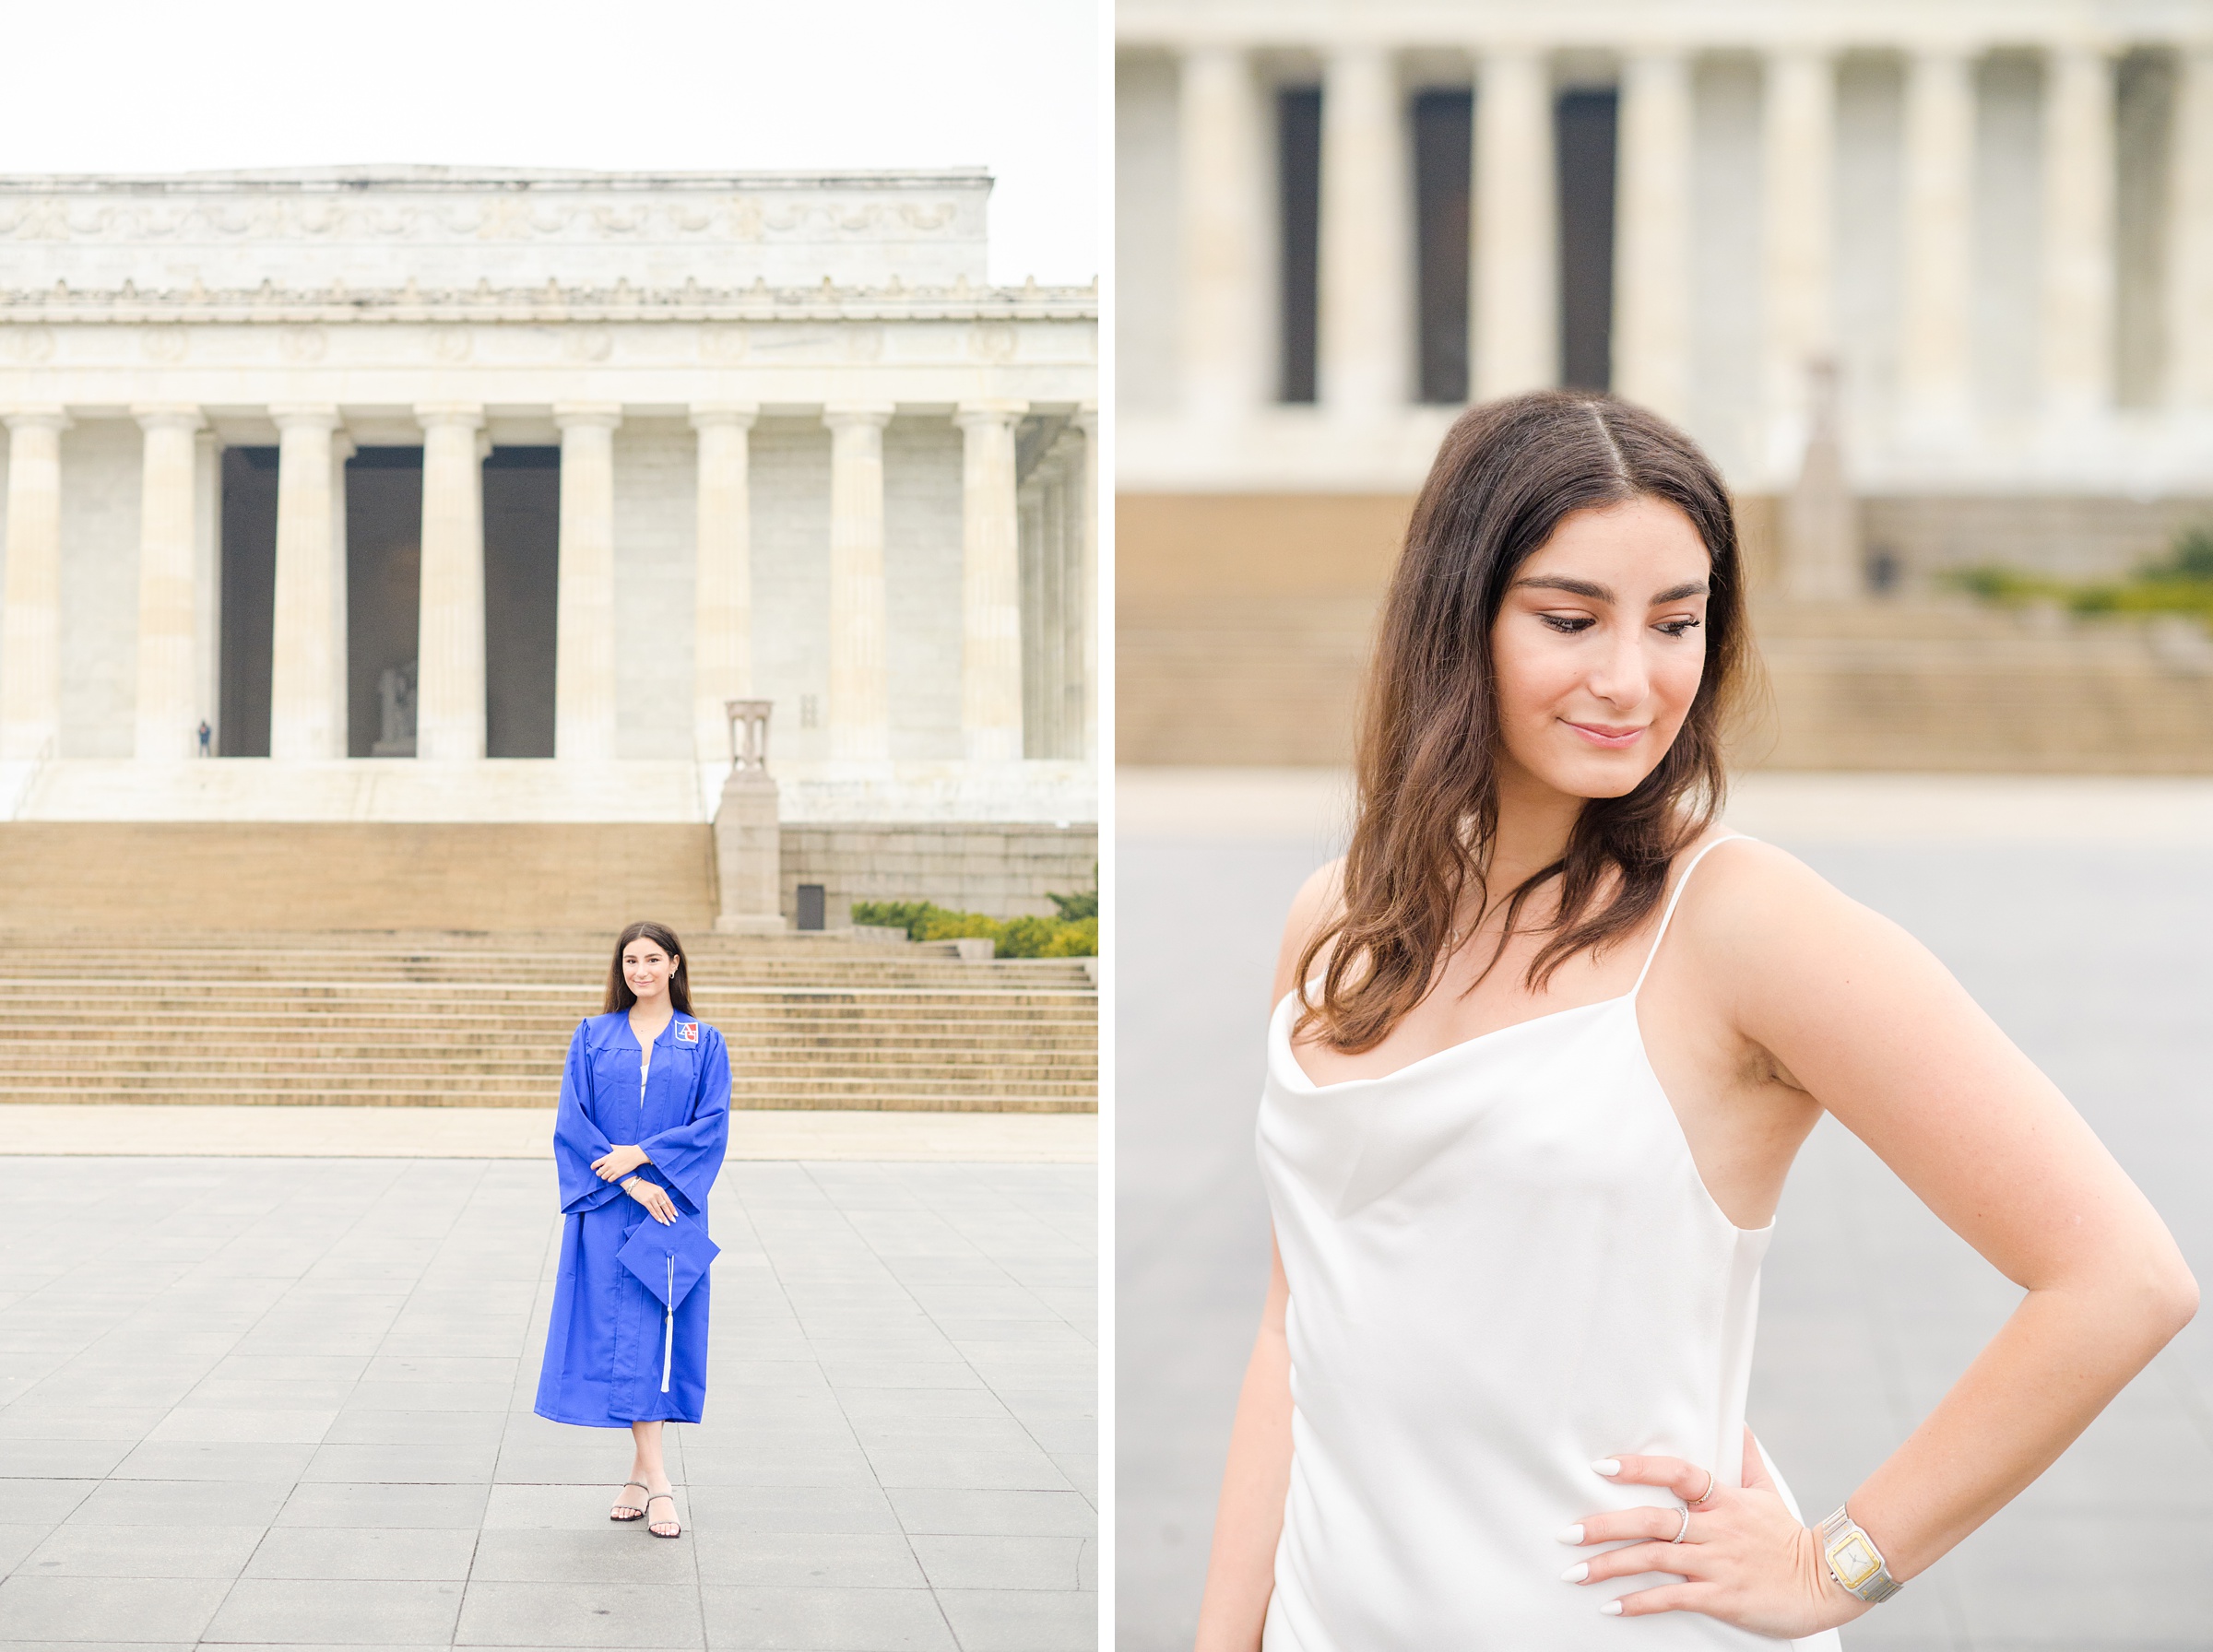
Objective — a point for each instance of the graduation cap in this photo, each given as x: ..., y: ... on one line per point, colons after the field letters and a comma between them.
x: 669, y: 1258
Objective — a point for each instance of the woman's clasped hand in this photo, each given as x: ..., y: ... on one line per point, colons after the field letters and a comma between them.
x: 1742, y: 1556
x: 618, y: 1162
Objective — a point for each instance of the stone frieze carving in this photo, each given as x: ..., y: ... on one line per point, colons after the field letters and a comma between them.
x: 742, y: 218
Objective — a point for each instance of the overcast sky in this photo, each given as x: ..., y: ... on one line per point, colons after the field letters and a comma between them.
x: 132, y: 86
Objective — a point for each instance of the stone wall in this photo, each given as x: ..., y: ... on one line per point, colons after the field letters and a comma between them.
x: 1002, y: 870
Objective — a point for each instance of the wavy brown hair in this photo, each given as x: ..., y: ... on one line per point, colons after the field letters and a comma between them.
x: 620, y: 996
x: 1508, y: 473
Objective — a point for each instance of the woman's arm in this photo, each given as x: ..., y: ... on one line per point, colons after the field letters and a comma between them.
x: 1864, y: 1019
x: 1837, y: 1001
x: 1240, y: 1569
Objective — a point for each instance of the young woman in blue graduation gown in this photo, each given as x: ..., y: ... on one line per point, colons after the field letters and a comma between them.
x: 644, y: 1122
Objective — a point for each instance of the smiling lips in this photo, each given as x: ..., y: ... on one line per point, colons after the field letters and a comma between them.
x: 1598, y: 734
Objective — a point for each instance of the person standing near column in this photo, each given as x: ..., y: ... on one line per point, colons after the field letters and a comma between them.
x: 644, y: 1122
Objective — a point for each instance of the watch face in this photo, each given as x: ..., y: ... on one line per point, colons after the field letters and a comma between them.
x: 1854, y: 1560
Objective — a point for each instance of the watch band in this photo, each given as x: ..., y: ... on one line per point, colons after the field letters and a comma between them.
x: 1853, y: 1560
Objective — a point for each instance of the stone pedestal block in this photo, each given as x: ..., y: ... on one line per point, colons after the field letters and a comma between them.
x: 748, y: 855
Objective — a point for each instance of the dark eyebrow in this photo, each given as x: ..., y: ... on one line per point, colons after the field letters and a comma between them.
x: 1696, y: 587
x: 1574, y: 587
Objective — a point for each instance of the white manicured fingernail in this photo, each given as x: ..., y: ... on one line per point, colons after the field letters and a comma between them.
x: 1607, y: 1466
x: 1572, y: 1535
x: 1611, y: 1607
x: 1577, y: 1572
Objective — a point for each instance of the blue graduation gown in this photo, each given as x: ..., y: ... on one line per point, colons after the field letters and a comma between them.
x: 602, y: 1367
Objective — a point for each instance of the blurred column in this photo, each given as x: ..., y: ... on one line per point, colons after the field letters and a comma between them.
x: 168, y: 713
x: 1652, y: 214
x: 1087, y: 569
x: 1365, y: 343
x: 449, y: 693
x: 1800, y: 120
x: 722, y: 647
x: 30, y: 601
x: 1227, y: 365
x: 991, y: 583
x: 2190, y: 234
x: 2079, y: 233
x: 1934, y: 368
x: 584, y: 650
x: 1516, y: 260
x: 307, y: 707
x: 861, y: 713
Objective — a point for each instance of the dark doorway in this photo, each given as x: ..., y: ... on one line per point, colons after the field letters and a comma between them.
x: 1444, y: 140
x: 522, y: 588
x: 384, y: 594
x: 248, y: 580
x: 1585, y: 132
x: 1298, y: 172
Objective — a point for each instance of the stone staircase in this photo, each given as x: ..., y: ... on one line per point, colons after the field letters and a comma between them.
x: 485, y: 1020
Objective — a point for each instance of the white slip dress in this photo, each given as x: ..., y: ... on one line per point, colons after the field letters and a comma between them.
x: 1502, y: 1266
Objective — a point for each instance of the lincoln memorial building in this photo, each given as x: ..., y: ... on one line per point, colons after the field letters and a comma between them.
x: 1967, y: 242
x: 430, y: 495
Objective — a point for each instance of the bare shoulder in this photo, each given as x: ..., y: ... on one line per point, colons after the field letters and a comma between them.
x: 1759, y: 919
x: 1318, y: 901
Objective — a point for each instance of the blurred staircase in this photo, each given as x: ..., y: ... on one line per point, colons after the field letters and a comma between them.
x: 485, y: 1020
x: 1902, y: 685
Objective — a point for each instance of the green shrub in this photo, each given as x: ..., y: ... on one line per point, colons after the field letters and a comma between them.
x: 1013, y: 937
x: 2180, y: 583
x: 909, y: 915
x: 1084, y: 904
x: 1079, y: 939
x: 942, y: 924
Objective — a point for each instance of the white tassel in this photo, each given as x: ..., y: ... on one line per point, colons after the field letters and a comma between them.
x: 668, y: 1335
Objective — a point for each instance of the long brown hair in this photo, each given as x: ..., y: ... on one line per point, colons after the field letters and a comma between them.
x: 1508, y: 473
x: 620, y: 996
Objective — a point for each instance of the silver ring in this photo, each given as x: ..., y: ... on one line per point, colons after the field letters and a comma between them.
x: 1702, y: 1496
x: 1680, y: 1535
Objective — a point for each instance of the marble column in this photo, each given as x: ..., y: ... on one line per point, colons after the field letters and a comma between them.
x: 1087, y: 569
x: 2190, y: 234
x: 584, y: 648
x: 1052, y: 600
x: 2077, y: 308
x: 991, y: 583
x: 722, y: 604
x: 861, y: 713
x: 307, y: 718
x: 1652, y: 255
x: 207, y: 588
x: 31, y: 598
x: 1935, y: 370
x: 1226, y: 336
x: 168, y: 709
x: 1364, y: 346
x: 1799, y: 117
x: 449, y: 693
x: 1516, y: 263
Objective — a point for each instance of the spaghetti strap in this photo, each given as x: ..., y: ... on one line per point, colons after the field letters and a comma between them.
x: 1669, y: 914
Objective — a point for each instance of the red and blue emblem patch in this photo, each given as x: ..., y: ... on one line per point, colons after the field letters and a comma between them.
x: 687, y: 1031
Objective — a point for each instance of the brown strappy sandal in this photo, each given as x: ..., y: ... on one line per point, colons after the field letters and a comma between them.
x: 627, y: 1512
x: 656, y: 1526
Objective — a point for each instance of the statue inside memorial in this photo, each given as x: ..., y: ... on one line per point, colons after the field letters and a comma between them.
x: 396, y: 697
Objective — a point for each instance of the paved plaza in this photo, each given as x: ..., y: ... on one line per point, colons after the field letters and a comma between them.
x: 2092, y: 947
x: 266, y: 1401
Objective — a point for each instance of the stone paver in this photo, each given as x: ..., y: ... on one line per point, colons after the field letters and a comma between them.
x: 276, y: 1402
x: 2097, y: 957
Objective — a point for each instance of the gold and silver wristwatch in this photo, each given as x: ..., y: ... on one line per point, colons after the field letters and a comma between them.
x: 1853, y: 1560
